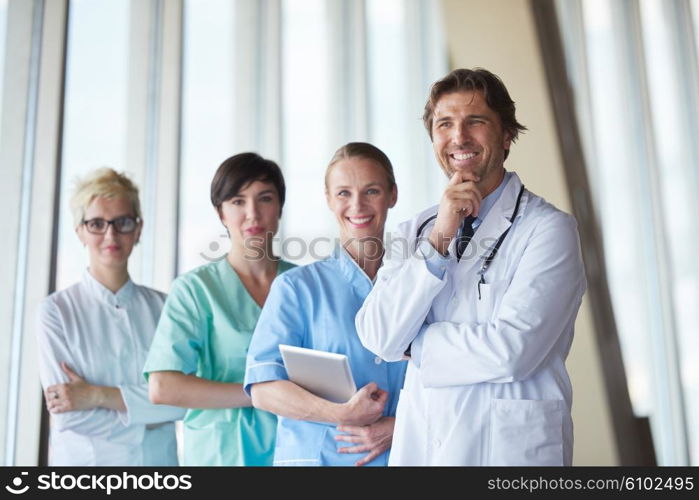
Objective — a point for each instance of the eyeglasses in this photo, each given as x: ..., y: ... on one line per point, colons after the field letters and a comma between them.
x: 122, y: 225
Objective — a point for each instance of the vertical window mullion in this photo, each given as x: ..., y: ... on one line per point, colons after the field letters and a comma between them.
x: 166, y: 143
x: 149, y: 190
x: 18, y: 316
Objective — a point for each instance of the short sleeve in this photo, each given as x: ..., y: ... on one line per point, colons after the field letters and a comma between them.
x: 177, y: 342
x: 282, y: 321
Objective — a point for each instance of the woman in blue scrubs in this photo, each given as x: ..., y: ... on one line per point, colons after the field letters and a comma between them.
x: 314, y: 306
x: 197, y: 359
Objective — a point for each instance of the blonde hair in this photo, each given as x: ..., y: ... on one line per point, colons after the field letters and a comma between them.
x: 106, y: 183
x: 366, y: 151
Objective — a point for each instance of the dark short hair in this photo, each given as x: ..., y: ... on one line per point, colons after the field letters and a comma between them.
x: 240, y: 170
x: 367, y: 151
x: 494, y: 92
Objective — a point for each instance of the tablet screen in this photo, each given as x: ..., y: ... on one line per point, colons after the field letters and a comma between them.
x: 325, y: 374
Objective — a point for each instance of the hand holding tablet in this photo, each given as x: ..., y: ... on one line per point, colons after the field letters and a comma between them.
x: 325, y: 374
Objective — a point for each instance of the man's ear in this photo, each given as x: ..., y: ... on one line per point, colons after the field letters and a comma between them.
x: 507, y: 141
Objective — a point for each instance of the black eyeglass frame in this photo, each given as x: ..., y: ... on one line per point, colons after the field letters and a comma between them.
x: 113, y: 222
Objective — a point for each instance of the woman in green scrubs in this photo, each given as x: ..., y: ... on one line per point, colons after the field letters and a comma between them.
x: 197, y: 358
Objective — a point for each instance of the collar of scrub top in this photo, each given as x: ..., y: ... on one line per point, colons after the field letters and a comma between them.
x: 351, y: 271
x: 104, y: 294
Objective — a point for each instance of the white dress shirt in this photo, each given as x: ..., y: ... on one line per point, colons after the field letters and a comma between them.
x: 104, y: 337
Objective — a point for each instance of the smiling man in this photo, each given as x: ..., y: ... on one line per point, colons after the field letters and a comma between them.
x: 484, y: 304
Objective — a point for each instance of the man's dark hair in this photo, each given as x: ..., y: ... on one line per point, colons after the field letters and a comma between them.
x: 238, y: 171
x: 494, y: 92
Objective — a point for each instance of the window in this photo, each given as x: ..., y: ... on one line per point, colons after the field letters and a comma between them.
x: 634, y: 73
x: 671, y: 67
x: 408, y: 53
x: 28, y: 142
x: 311, y: 121
x: 3, y: 30
x: 294, y: 81
x: 96, y: 107
x: 208, y: 130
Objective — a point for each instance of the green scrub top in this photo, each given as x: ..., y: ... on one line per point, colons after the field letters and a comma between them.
x: 205, y: 329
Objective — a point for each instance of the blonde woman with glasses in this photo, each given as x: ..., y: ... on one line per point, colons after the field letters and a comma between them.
x: 94, y: 337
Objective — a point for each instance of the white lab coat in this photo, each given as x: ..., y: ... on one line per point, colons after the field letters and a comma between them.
x: 104, y: 338
x: 487, y: 383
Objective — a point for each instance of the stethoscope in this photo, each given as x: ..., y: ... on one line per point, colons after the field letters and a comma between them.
x: 488, y: 260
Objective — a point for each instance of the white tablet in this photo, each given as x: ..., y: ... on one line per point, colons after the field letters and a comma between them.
x: 325, y: 374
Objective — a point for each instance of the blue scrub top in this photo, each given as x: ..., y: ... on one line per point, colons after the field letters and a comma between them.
x: 314, y: 306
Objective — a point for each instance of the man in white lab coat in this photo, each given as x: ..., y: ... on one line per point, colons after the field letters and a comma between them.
x: 482, y: 299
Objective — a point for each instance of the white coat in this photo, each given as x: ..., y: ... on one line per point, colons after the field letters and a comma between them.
x: 104, y: 337
x: 487, y: 383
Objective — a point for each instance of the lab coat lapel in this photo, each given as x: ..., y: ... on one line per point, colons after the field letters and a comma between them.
x: 496, y: 222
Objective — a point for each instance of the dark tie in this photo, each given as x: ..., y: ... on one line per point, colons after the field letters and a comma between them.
x: 465, y: 236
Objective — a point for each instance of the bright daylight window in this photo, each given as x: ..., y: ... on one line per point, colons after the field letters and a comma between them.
x: 631, y: 71
x: 3, y: 29
x: 309, y: 119
x: 263, y: 76
x: 323, y: 46
x: 95, y: 122
x: 208, y: 125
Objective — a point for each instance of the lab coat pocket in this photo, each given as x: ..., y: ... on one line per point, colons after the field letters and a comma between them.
x: 488, y: 299
x: 526, y: 432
